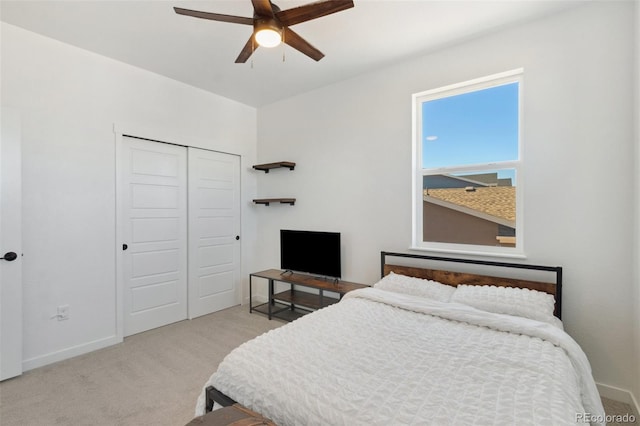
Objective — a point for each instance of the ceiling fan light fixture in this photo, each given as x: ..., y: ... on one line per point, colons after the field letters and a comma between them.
x: 271, y: 25
x: 268, y: 34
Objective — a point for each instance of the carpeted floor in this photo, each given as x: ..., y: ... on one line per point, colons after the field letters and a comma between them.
x: 153, y: 378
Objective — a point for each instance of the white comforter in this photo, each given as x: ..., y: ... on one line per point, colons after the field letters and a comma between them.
x: 384, y: 358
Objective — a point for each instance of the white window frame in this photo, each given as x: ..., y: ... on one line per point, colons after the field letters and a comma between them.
x: 417, y: 243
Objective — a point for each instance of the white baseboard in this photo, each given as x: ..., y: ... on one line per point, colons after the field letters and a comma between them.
x: 61, y: 355
x: 621, y: 395
x: 258, y: 299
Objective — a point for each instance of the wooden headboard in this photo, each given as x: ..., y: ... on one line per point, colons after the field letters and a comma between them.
x: 455, y: 278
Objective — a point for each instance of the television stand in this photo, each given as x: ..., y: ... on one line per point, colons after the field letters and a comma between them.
x: 293, y: 303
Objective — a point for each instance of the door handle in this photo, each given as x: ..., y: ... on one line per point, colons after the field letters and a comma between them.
x: 9, y: 256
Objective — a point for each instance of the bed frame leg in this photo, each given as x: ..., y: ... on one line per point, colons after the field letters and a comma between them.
x: 214, y: 395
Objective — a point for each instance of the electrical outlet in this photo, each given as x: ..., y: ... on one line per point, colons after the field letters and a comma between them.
x: 63, y: 312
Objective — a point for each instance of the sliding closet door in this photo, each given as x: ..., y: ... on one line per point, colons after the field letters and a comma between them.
x: 154, y: 203
x: 214, y: 231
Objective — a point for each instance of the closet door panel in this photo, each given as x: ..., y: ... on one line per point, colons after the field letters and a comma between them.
x: 155, y: 218
x: 214, y: 225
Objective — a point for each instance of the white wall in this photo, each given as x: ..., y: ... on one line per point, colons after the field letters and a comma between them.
x: 352, y: 144
x: 636, y: 388
x: 69, y: 100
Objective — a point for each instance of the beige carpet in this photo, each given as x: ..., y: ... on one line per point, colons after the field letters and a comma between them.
x: 153, y: 378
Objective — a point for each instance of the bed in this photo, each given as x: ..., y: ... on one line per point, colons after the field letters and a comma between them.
x: 421, y: 346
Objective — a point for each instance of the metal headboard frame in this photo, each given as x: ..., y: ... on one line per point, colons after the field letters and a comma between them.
x: 555, y: 269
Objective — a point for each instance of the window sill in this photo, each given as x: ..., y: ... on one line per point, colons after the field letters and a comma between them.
x: 514, y: 255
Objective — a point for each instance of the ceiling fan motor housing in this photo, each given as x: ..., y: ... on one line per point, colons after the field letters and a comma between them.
x: 267, y: 32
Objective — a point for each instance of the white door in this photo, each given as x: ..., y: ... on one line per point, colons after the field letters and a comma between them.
x: 154, y: 209
x: 214, y: 231
x: 10, y: 242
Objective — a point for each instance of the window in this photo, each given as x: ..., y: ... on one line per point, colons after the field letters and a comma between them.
x: 467, y: 167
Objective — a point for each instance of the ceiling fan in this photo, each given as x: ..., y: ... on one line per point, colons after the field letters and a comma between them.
x: 271, y: 25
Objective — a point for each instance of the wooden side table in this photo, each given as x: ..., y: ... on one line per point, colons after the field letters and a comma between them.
x: 291, y: 304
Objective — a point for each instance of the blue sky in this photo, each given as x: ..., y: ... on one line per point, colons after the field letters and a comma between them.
x: 471, y: 128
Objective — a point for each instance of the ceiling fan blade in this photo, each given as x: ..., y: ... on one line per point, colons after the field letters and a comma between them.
x: 214, y: 16
x: 300, y: 44
x: 247, y: 50
x: 262, y: 7
x: 311, y: 11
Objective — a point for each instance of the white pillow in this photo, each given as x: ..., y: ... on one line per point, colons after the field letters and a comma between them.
x: 416, y: 287
x: 521, y: 302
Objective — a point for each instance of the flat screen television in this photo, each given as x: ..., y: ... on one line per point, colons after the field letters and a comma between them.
x: 310, y: 252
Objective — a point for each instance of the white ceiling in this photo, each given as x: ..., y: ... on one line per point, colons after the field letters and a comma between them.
x: 201, y: 53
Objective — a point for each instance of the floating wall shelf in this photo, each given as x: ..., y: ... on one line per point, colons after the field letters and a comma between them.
x: 266, y: 167
x: 266, y: 201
